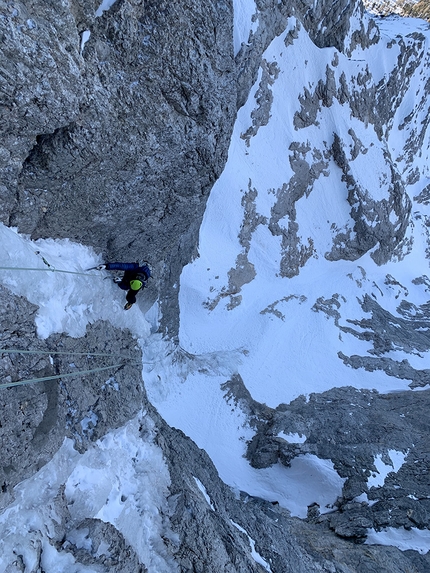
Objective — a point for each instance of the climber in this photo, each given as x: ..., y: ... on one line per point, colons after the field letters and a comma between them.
x: 133, y: 280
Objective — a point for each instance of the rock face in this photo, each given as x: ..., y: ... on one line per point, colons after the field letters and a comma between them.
x: 37, y: 417
x: 115, y: 141
x: 351, y: 428
x: 418, y: 9
x: 215, y: 533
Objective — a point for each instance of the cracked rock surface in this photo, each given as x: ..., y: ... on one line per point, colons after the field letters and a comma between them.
x: 106, y: 142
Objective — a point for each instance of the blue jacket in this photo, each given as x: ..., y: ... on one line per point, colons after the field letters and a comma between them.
x: 134, y: 267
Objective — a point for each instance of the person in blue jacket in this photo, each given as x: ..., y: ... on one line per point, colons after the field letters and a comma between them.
x: 133, y: 280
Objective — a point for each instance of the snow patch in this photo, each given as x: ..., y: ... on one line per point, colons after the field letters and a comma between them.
x: 377, y: 479
x: 104, y: 7
x: 292, y: 438
x: 255, y: 555
x: 415, y: 539
x: 363, y: 498
x: 204, y: 492
x: 85, y: 37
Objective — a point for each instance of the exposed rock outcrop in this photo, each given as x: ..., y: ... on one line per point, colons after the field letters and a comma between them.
x: 354, y: 429
x: 37, y: 417
x: 417, y: 9
x: 217, y: 533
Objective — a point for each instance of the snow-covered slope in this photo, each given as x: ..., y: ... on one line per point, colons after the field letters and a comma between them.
x: 282, y: 294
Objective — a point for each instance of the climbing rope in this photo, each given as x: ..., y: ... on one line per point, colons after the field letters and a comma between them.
x: 46, y: 378
x: 50, y: 270
x: 64, y: 352
x: 20, y: 351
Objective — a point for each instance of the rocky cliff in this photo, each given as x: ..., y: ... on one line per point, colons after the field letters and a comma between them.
x: 417, y: 9
x: 117, y: 141
x: 114, y: 139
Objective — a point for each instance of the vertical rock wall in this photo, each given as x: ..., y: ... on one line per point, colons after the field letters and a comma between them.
x: 117, y: 141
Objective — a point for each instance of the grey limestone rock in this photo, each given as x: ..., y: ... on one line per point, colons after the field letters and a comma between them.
x: 381, y: 223
x: 37, y: 417
x: 244, y: 271
x: 351, y: 428
x: 215, y: 524
x: 294, y: 252
x: 107, y: 549
x: 109, y: 142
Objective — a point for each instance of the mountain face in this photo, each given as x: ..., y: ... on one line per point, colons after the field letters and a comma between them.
x: 416, y: 9
x: 117, y: 141
x: 270, y: 160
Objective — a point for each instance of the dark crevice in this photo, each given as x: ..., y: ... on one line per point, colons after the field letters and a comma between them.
x: 46, y: 143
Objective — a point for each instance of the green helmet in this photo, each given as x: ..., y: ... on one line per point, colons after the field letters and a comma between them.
x: 136, y: 285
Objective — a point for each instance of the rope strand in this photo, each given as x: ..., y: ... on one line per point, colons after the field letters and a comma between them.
x: 20, y: 351
x: 49, y: 270
x: 46, y: 378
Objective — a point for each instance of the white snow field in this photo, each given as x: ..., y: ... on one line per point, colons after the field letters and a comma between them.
x: 264, y: 327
